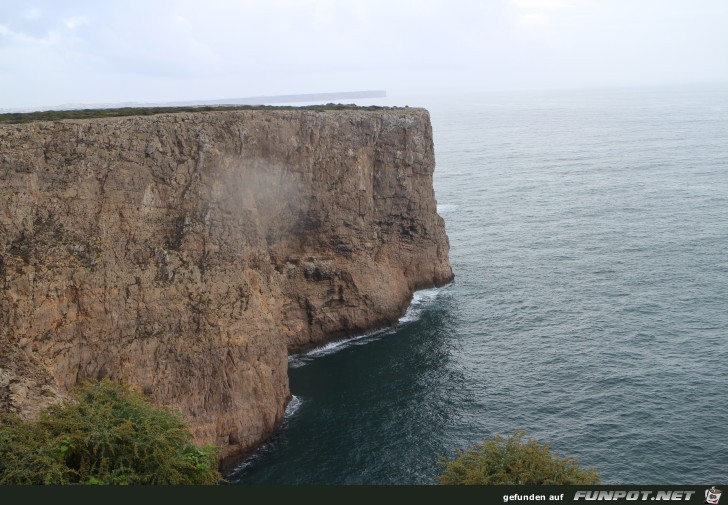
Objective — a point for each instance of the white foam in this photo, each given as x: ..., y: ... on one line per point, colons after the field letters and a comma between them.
x: 297, y: 360
x: 247, y: 461
x: 291, y: 409
x: 293, y: 406
x: 420, y: 300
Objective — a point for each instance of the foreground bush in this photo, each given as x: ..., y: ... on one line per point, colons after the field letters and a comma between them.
x: 108, y: 434
x: 514, y: 461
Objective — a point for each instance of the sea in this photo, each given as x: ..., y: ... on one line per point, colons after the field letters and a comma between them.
x: 589, y: 240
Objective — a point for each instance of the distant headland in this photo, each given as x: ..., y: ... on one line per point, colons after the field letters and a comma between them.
x: 251, y: 100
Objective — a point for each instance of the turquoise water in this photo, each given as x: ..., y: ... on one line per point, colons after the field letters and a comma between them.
x: 589, y: 238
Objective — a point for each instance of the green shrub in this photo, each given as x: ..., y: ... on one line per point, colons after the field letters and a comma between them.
x: 27, y: 456
x: 514, y: 461
x: 108, y: 434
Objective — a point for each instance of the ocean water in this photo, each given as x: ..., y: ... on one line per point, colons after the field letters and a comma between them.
x: 589, y: 238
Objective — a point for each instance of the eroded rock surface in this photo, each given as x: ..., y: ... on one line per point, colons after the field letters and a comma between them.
x: 189, y: 253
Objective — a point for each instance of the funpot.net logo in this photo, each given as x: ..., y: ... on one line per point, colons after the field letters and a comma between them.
x: 626, y: 495
x: 712, y: 495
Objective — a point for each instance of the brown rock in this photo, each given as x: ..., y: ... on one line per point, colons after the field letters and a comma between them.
x: 189, y: 253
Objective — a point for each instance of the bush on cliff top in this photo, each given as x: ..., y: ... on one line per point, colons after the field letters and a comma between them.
x: 516, y: 462
x: 108, y: 434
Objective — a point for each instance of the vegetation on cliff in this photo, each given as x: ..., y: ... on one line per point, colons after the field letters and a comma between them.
x: 514, y: 461
x: 108, y: 434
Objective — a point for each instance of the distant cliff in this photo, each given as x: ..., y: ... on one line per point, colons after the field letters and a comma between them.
x: 189, y: 253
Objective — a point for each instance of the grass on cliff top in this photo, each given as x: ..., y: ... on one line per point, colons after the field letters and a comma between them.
x: 58, y: 115
x: 108, y: 434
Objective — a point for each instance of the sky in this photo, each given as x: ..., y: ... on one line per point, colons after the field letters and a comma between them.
x: 88, y: 51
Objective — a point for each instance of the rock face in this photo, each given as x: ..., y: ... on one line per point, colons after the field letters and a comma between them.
x: 189, y: 253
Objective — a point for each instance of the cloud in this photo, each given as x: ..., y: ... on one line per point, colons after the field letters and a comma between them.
x: 33, y: 13
x: 534, y: 18
x: 75, y: 21
x: 542, y: 12
x: 186, y: 50
x: 543, y: 4
x: 13, y: 38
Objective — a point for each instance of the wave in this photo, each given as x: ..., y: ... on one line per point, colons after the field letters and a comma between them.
x: 420, y: 301
x: 237, y: 472
x: 296, y: 360
x: 292, y: 406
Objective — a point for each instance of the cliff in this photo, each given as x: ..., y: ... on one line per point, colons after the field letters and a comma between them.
x: 189, y: 253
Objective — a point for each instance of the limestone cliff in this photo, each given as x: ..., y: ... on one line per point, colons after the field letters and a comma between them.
x: 189, y: 253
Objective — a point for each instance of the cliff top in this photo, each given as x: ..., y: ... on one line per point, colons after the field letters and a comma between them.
x: 58, y: 115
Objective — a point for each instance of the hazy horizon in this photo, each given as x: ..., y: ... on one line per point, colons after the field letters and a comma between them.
x: 54, y: 53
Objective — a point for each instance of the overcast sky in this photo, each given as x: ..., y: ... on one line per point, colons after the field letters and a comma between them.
x: 65, y: 51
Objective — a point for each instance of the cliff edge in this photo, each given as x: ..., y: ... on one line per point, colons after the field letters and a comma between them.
x: 189, y: 253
